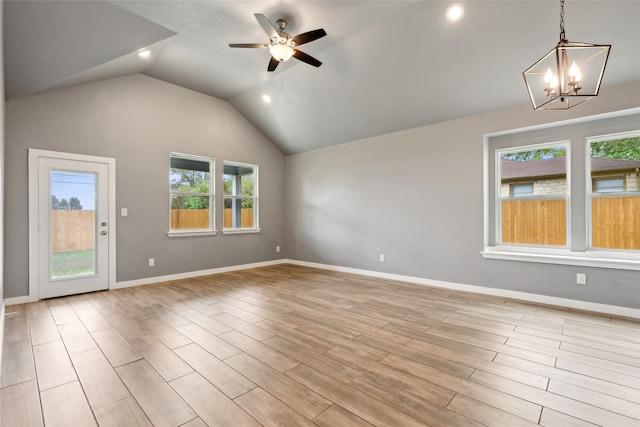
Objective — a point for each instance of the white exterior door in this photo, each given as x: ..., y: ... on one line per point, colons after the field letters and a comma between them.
x: 74, y: 224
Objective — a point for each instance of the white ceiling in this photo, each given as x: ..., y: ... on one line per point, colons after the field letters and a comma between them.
x: 387, y: 65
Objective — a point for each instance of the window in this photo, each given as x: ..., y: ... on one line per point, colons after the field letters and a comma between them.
x: 240, y: 197
x: 191, y: 187
x: 537, y: 217
x: 614, y: 165
x: 537, y: 211
x: 522, y: 189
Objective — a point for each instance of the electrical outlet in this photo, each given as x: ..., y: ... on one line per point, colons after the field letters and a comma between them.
x: 277, y: 248
x: 152, y: 262
x: 581, y: 279
x: 381, y: 257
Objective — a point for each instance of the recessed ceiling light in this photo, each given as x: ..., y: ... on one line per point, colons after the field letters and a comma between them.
x: 144, y: 53
x: 455, y: 12
x: 266, y: 98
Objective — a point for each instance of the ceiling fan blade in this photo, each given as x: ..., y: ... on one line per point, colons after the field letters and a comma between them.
x: 266, y: 25
x: 306, y: 58
x: 250, y: 45
x: 273, y: 63
x: 309, y: 36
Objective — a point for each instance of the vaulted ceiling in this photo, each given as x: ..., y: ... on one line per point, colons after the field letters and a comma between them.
x: 387, y: 65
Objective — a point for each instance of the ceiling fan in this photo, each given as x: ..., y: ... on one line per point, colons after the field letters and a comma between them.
x: 281, y: 45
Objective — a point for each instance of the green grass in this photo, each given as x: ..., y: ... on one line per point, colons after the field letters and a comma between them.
x: 72, y: 263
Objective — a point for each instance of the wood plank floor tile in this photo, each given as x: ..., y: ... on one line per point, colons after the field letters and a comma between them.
x: 504, y: 400
x: 20, y: 405
x: 116, y: 348
x: 227, y: 380
x: 157, y: 399
x: 17, y: 363
x: 584, y: 381
x: 205, y: 321
x: 307, y: 402
x: 16, y: 327
x: 163, y: 360
x: 595, y: 398
x: 210, y: 342
x: 99, y: 380
x: 212, y: 406
x: 337, y: 416
x: 62, y: 312
x: 486, y: 414
x: 269, y: 411
x: 355, y: 401
x: 551, y: 418
x: 76, y: 338
x: 125, y: 412
x: 240, y: 325
x: 38, y: 309
x: 165, y: 333
x: 93, y: 320
x: 321, y: 362
x: 267, y: 355
x: 555, y: 401
x: 127, y: 325
x: 299, y: 345
x: 66, y: 406
x: 53, y: 366
x: 43, y: 330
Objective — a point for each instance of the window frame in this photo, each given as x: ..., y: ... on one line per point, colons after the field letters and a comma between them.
x: 211, y: 230
x: 499, y: 198
x: 255, y: 199
x: 590, y: 193
x: 576, y: 130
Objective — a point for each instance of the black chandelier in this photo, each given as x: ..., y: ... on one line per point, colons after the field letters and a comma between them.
x: 568, y: 75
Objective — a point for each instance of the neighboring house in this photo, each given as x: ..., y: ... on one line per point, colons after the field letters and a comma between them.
x: 548, y: 176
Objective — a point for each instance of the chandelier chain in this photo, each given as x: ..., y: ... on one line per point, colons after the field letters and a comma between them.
x: 562, y: 35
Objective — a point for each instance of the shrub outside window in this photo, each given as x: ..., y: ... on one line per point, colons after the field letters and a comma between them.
x: 534, y: 212
x: 614, y: 165
x: 240, y: 196
x: 191, y: 193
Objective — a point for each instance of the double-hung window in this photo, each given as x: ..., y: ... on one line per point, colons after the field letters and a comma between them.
x: 191, y: 188
x: 575, y: 201
x: 614, y: 184
x: 240, y: 197
x: 533, y: 195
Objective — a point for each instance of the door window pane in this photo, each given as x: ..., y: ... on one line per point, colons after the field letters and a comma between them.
x: 73, y: 223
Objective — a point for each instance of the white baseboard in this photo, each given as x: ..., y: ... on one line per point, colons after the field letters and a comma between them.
x: 16, y: 300
x: 189, y: 274
x: 1, y: 335
x: 505, y: 293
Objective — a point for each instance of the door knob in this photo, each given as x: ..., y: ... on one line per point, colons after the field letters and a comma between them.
x: 104, y: 233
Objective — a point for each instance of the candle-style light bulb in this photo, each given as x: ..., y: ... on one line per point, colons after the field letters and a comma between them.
x: 574, y: 72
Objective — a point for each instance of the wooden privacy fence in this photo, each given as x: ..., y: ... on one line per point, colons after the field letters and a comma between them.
x: 534, y: 222
x: 72, y: 231
x: 615, y: 222
x: 199, y: 218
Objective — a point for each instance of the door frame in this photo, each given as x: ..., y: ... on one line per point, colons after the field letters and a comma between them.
x: 34, y: 159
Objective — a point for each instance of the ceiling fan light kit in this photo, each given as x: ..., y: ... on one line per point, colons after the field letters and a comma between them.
x: 570, y: 74
x: 281, y: 45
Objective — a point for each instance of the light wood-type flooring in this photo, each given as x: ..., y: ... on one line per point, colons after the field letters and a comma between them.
x: 294, y: 346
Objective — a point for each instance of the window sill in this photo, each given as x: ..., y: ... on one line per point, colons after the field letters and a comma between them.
x: 600, y: 259
x: 192, y: 233
x: 240, y: 230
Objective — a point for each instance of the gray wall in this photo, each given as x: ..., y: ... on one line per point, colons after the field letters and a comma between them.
x: 138, y: 121
x: 416, y: 196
